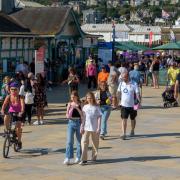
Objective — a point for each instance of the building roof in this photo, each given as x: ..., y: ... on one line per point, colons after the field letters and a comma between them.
x: 146, y: 29
x: 32, y: 4
x: 44, y: 20
x: 104, y: 28
x: 9, y: 24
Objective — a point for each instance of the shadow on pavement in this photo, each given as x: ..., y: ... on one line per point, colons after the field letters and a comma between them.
x: 156, y: 135
x: 151, y: 107
x: 141, y: 159
x: 36, y: 152
x: 56, y: 121
x: 56, y: 114
x: 55, y: 110
x: 107, y: 138
x: 26, y: 132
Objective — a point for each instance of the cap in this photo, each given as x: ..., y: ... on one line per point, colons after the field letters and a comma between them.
x: 14, y: 84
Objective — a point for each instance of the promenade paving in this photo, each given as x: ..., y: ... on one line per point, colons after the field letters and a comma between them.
x: 154, y: 153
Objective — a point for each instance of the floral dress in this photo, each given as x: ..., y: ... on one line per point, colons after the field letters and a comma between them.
x: 40, y: 96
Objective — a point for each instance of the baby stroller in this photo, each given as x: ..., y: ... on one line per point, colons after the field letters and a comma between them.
x: 168, y: 97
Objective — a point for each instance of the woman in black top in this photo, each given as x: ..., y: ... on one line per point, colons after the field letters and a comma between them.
x: 74, y: 116
x: 103, y: 98
x: 155, y: 73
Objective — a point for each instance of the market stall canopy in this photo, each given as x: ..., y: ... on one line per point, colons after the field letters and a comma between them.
x: 130, y: 45
x: 169, y: 46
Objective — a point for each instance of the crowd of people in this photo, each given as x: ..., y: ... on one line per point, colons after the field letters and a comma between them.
x: 113, y: 85
x: 20, y: 95
x: 110, y: 87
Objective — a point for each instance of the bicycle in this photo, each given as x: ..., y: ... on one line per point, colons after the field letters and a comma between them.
x: 10, y: 139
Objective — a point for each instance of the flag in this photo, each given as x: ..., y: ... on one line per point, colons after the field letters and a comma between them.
x: 165, y: 15
x: 150, y: 38
x: 172, y: 36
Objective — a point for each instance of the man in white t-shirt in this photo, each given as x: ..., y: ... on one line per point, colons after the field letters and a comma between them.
x: 128, y: 93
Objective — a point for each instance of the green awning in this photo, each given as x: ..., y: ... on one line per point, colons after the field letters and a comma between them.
x: 169, y: 46
x: 130, y: 45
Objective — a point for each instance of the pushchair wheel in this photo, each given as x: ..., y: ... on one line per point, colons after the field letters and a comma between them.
x: 175, y: 104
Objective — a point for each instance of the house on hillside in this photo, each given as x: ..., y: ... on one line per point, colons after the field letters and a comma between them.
x: 106, y: 30
x: 125, y: 32
x: 141, y: 34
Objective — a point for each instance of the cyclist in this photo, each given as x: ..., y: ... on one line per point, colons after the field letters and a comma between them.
x: 16, y: 110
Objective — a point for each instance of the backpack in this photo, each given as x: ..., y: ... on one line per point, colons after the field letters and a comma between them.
x: 29, y: 98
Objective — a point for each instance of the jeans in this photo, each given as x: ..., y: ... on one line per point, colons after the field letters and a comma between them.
x: 105, y: 110
x: 73, y: 128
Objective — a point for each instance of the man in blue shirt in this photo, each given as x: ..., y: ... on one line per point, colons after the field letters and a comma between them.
x: 135, y: 76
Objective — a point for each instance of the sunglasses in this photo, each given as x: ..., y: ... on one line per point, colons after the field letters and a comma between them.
x: 13, y: 89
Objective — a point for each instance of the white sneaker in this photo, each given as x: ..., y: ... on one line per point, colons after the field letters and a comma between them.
x: 68, y: 161
x: 36, y: 123
x: 77, y: 160
x: 41, y: 122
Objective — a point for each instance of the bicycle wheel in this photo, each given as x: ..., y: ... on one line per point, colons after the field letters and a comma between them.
x: 6, y: 146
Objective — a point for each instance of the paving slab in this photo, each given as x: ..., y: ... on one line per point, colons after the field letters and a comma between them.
x: 154, y: 153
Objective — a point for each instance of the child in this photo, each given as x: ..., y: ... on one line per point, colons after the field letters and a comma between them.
x: 90, y: 126
x: 29, y: 101
x: 74, y: 115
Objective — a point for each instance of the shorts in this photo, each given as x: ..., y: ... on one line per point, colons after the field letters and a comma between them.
x: 16, y: 116
x: 128, y: 111
x: 113, y: 90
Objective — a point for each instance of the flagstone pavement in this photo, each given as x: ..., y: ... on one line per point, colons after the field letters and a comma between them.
x: 154, y: 153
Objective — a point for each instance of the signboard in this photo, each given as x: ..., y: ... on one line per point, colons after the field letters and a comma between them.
x: 105, y: 55
x: 104, y: 45
x: 39, y: 60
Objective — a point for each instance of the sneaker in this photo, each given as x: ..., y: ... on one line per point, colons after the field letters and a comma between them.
x: 41, y: 122
x: 36, y: 123
x: 77, y: 160
x: 68, y: 161
x: 123, y: 137
x: 83, y: 163
x: 102, y: 136
x: 132, y: 133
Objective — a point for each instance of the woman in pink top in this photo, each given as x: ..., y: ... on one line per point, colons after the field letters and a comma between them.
x: 16, y: 110
x: 91, y: 72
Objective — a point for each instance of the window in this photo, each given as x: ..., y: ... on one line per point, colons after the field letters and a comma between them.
x: 146, y: 36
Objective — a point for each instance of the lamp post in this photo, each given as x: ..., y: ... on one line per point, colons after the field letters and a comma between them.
x: 113, y: 42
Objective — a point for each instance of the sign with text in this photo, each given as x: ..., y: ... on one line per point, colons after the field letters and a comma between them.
x: 105, y: 55
x: 39, y: 60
